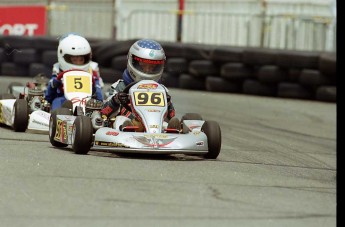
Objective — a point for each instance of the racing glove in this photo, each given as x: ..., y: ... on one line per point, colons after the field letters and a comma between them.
x: 121, y: 98
x: 55, y: 83
x: 168, y: 98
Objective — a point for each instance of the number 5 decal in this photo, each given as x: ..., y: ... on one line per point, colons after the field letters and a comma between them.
x: 77, y: 83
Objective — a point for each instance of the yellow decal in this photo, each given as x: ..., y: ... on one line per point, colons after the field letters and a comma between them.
x: 78, y: 84
x: 147, y: 86
x: 61, y: 131
x: 1, y: 117
x: 110, y: 144
x: 58, y: 129
x: 149, y: 99
x: 156, y: 136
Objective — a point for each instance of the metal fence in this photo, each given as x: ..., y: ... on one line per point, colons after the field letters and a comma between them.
x: 234, y: 22
x: 292, y: 24
x: 301, y: 25
x: 94, y: 19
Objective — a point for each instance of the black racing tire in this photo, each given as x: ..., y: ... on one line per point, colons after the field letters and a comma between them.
x: 189, y: 82
x: 219, y: 84
x: 174, y: 123
x: 21, y: 115
x: 53, y: 123
x: 49, y: 58
x: 191, y: 116
x: 297, y: 59
x: 119, y: 62
x: 196, y: 51
x: 177, y: 65
x: 16, y: 42
x: 26, y: 56
x: 68, y: 105
x: 7, y: 96
x: 236, y: 71
x: 271, y: 74
x: 13, y: 69
x: 39, y: 68
x: 202, y: 68
x: 313, y: 78
x: 3, y: 57
x: 294, y: 74
x: 257, y: 56
x: 110, y: 75
x: 255, y: 87
x: 294, y: 91
x: 326, y: 93
x: 328, y: 64
x: 46, y: 43
x: 13, y: 84
x: 82, y: 135
x: 225, y: 54
x: 214, y: 138
x: 171, y: 79
x: 174, y: 49
x: 109, y: 49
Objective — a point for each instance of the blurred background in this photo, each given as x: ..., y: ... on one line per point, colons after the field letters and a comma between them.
x: 277, y: 48
x: 283, y: 24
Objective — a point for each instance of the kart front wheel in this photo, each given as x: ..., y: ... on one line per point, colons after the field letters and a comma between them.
x: 53, y: 124
x: 82, y: 135
x: 214, y: 138
x: 20, y: 115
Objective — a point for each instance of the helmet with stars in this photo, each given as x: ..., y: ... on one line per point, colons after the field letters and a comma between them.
x: 146, y: 60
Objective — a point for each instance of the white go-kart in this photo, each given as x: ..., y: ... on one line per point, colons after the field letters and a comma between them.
x: 148, y: 101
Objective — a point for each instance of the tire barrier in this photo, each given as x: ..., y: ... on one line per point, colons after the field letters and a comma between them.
x: 248, y: 70
x: 219, y: 84
x: 255, y: 87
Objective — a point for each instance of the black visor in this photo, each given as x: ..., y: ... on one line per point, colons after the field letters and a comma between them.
x: 147, y: 65
x: 86, y: 57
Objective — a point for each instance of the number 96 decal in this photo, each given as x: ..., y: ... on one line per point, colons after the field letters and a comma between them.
x: 149, y: 99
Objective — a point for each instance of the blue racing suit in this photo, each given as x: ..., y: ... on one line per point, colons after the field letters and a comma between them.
x: 54, y: 93
x: 112, y: 108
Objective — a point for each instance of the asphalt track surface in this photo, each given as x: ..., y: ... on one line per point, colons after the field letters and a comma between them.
x: 277, y: 167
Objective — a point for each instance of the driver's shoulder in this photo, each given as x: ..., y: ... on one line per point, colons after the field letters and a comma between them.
x: 118, y: 85
x: 165, y: 88
x: 56, y: 68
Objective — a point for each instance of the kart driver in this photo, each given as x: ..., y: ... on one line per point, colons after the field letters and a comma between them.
x: 74, y: 52
x: 146, y: 59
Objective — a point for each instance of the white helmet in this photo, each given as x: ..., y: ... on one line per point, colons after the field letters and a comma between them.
x: 146, y: 59
x: 74, y: 45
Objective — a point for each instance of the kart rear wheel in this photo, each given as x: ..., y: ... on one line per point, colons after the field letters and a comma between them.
x: 20, y: 115
x: 214, y: 138
x: 191, y: 116
x: 82, y: 135
x: 53, y: 123
x: 68, y: 104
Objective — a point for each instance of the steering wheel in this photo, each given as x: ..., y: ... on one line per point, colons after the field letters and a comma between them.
x: 126, y: 90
